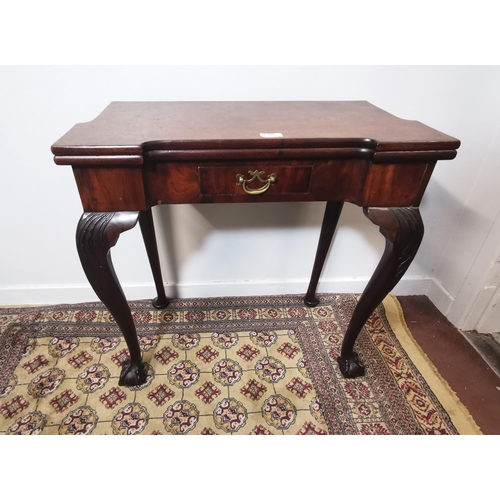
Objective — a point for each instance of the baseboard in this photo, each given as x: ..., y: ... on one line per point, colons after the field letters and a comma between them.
x: 439, y: 296
x: 69, y: 294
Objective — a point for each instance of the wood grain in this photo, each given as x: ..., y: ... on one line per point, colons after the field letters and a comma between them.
x: 394, y: 185
x: 193, y: 130
x: 110, y: 189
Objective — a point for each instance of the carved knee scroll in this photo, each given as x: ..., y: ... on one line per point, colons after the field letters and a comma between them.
x: 403, y: 230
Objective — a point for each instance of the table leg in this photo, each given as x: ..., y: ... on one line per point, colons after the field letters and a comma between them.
x: 96, y: 233
x: 330, y: 220
x: 403, y: 230
x: 148, y: 235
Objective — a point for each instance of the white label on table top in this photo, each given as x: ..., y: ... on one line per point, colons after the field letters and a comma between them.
x: 271, y: 134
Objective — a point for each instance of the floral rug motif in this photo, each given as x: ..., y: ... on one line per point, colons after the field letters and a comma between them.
x: 234, y: 365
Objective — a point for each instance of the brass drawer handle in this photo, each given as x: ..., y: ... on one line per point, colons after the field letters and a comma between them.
x: 255, y: 175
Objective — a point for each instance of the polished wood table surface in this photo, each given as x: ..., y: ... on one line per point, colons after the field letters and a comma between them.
x: 136, y: 155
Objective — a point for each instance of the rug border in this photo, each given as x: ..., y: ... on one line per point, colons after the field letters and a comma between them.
x: 458, y: 413
x: 450, y: 402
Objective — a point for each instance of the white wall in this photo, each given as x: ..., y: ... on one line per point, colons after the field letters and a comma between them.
x: 216, y: 251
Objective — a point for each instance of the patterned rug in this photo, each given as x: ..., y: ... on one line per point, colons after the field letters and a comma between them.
x: 239, y: 365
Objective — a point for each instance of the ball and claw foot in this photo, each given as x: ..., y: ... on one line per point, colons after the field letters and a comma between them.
x: 351, y: 367
x: 160, y: 302
x: 132, y: 374
x: 311, y: 302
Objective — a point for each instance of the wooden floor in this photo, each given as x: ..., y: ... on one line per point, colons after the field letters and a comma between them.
x: 459, y: 363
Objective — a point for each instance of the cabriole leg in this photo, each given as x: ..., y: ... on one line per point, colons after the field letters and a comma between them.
x: 403, y: 230
x: 330, y: 220
x: 96, y: 233
x: 148, y: 235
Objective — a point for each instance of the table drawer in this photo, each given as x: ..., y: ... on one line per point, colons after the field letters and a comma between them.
x: 354, y: 181
x: 254, y: 180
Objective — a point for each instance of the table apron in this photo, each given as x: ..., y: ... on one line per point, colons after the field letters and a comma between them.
x: 124, y: 188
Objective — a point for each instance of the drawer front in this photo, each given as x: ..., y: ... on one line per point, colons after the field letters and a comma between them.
x: 253, y: 181
x: 354, y: 181
x: 256, y: 180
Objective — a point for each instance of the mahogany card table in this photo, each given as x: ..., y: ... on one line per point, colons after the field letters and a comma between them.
x: 136, y: 155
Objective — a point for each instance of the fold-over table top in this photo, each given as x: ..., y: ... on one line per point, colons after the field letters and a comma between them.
x: 133, y: 129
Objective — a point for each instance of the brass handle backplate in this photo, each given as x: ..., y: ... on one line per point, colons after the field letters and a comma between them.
x: 255, y: 175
